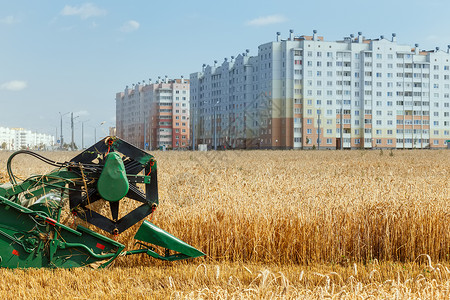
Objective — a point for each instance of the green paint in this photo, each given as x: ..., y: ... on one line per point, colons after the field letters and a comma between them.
x: 113, y: 184
x: 152, y: 234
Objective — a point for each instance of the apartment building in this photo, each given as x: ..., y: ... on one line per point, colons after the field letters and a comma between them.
x: 20, y: 138
x: 304, y: 92
x: 154, y: 115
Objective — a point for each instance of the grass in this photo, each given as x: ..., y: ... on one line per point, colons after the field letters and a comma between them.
x: 353, y: 223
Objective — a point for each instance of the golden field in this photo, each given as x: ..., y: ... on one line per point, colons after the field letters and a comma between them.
x: 290, y: 224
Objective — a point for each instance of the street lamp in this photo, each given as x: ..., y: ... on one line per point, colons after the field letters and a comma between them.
x: 95, y: 131
x: 62, y: 138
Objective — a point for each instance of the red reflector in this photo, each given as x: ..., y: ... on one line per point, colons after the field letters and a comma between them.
x: 50, y: 221
x: 100, y: 246
x: 15, y: 252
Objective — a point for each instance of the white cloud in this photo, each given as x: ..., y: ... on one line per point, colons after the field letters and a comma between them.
x: 14, y: 85
x: 81, y: 113
x: 9, y: 20
x: 130, y: 26
x: 86, y: 10
x: 267, y: 20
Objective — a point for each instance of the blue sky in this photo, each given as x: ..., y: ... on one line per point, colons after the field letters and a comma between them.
x: 73, y: 56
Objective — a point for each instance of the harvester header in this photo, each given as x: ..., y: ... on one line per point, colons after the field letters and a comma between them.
x: 31, y: 232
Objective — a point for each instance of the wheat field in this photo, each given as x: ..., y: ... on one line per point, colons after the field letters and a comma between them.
x: 278, y: 224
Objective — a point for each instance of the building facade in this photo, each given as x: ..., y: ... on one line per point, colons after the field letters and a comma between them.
x: 20, y: 138
x: 154, y: 115
x: 304, y: 92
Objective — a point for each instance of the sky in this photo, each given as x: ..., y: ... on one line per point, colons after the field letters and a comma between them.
x: 61, y: 56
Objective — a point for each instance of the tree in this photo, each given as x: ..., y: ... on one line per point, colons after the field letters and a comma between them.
x: 4, y: 145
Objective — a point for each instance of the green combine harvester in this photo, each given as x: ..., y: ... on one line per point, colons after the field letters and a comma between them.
x: 32, y: 236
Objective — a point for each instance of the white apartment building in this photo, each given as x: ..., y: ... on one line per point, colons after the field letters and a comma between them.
x: 154, y: 115
x: 19, y: 138
x: 304, y: 92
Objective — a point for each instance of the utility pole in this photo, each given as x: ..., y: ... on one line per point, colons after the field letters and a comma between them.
x: 71, y: 126
x: 61, y: 138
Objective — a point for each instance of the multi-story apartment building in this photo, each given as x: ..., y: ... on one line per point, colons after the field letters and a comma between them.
x: 305, y: 92
x: 154, y: 115
x: 20, y: 138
